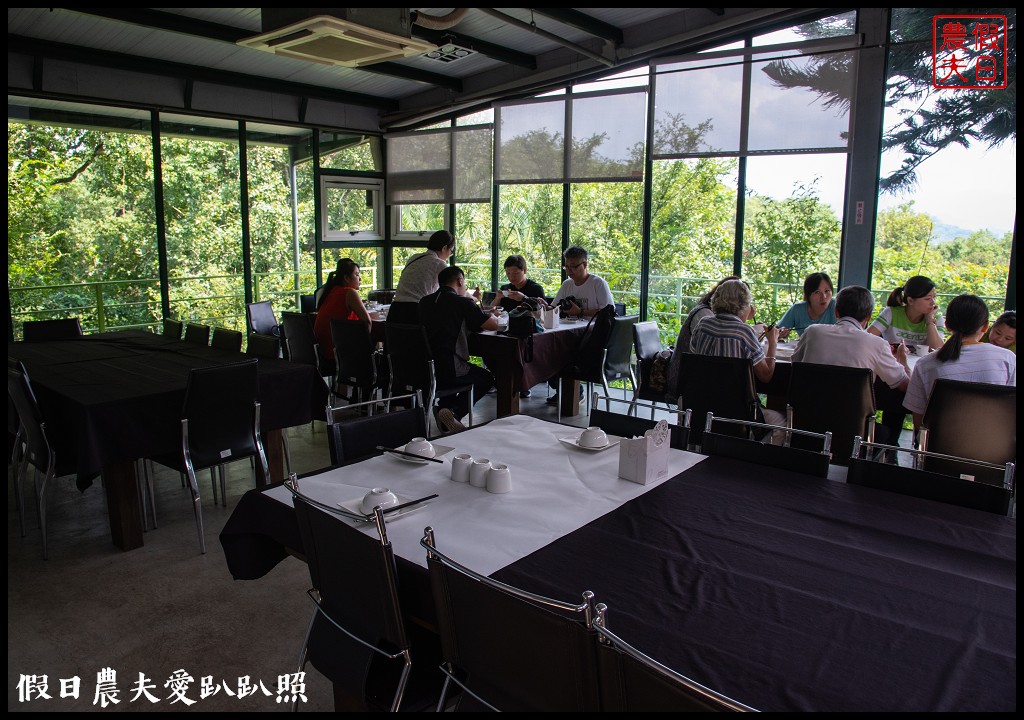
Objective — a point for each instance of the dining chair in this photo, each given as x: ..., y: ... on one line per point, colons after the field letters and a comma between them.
x: 720, y: 385
x: 832, y: 398
x: 632, y: 681
x: 263, y: 346
x: 353, y: 436
x: 260, y: 318
x: 16, y: 440
x: 37, y: 452
x: 615, y: 364
x: 225, y: 339
x: 43, y: 330
x: 301, y: 342
x: 963, y: 488
x: 646, y: 346
x: 197, y: 333
x: 509, y: 649
x: 220, y: 423
x: 357, y: 636
x: 971, y: 420
x: 307, y: 303
x: 749, y: 449
x: 173, y: 328
x: 626, y: 425
x: 411, y: 365
x: 356, y: 360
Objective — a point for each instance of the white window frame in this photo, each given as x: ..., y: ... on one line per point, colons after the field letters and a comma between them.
x: 335, y: 182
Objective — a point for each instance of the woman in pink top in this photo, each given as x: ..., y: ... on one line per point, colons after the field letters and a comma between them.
x: 341, y: 300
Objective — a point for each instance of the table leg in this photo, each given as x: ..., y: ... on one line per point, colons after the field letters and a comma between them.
x: 507, y: 392
x: 123, y: 505
x: 570, y: 398
x: 273, y: 446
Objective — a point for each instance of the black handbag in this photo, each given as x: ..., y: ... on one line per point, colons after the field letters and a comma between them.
x: 522, y: 324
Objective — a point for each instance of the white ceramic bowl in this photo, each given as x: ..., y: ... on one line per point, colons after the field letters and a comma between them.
x: 378, y: 496
x: 420, y: 446
x: 593, y: 437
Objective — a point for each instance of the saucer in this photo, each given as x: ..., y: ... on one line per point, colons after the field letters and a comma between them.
x: 354, y: 506
x: 575, y: 442
x: 439, y: 450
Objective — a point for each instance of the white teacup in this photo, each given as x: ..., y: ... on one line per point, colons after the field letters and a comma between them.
x: 593, y: 437
x: 499, y: 479
x: 460, y: 467
x: 478, y: 472
x: 378, y: 496
x: 420, y: 446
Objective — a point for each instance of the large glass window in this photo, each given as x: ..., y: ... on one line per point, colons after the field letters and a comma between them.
x: 202, y: 211
x: 530, y: 224
x: 947, y: 206
x: 81, y: 229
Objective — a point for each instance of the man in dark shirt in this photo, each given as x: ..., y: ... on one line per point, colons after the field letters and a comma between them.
x: 519, y: 287
x: 447, y: 316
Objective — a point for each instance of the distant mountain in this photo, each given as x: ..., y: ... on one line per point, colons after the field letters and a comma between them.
x: 944, y: 232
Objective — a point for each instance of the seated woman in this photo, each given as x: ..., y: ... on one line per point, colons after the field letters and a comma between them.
x: 1003, y: 331
x: 818, y: 306
x: 910, y: 315
x: 727, y: 334
x: 519, y: 287
x: 340, y: 300
x: 962, y: 357
x: 701, y: 310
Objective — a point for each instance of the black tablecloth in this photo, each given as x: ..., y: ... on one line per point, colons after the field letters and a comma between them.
x: 115, y: 397
x: 791, y: 593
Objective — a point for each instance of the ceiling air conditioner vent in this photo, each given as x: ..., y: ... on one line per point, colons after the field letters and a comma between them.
x: 332, y: 41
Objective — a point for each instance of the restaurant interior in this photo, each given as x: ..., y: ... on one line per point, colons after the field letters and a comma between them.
x: 624, y: 547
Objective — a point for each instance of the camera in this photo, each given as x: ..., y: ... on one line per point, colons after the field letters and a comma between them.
x: 565, y: 303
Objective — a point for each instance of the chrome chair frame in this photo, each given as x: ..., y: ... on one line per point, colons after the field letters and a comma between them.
x: 377, y: 518
x: 585, y: 609
x: 605, y: 636
x: 683, y: 415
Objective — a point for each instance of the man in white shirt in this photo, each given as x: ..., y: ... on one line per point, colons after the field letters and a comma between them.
x: 586, y: 293
x: 847, y: 343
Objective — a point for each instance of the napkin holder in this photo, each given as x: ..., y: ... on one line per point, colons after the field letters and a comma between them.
x: 645, y: 459
x: 548, y: 317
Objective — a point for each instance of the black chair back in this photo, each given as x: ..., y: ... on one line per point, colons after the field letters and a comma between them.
x: 352, y: 437
x: 813, y: 461
x: 629, y: 426
x: 631, y: 681
x: 355, y: 357
x: 222, y: 411
x: 971, y: 420
x: 43, y: 330
x: 264, y: 346
x: 173, y: 328
x: 301, y: 341
x: 225, y: 339
x: 618, y: 362
x: 410, y: 360
x: 198, y: 334
x: 354, y: 621
x: 307, y: 303
x: 952, y: 489
x: 835, y: 399
x: 261, y: 318
x: 647, y: 345
x: 720, y: 385
x: 512, y: 650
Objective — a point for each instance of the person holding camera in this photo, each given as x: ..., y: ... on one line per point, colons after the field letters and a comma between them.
x: 582, y: 294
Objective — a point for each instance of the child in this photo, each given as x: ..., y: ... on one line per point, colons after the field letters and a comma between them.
x: 1004, y: 331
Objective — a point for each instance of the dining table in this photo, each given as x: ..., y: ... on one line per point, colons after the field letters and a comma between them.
x: 784, y: 591
x: 112, y: 398
x: 519, y: 363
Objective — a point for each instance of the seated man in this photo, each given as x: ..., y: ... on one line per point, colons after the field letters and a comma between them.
x: 847, y: 343
x: 448, y: 315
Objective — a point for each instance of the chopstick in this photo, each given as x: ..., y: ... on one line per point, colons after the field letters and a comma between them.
x: 409, y: 454
x: 396, y: 508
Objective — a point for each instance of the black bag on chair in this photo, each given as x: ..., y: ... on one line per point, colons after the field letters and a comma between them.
x: 589, y: 358
x: 522, y: 324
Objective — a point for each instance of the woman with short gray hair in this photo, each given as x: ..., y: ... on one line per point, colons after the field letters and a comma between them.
x: 727, y: 334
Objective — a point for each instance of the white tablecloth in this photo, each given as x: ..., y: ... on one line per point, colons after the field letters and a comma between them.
x: 555, y: 490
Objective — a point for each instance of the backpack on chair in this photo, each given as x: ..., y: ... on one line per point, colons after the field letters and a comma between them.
x: 589, y: 359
